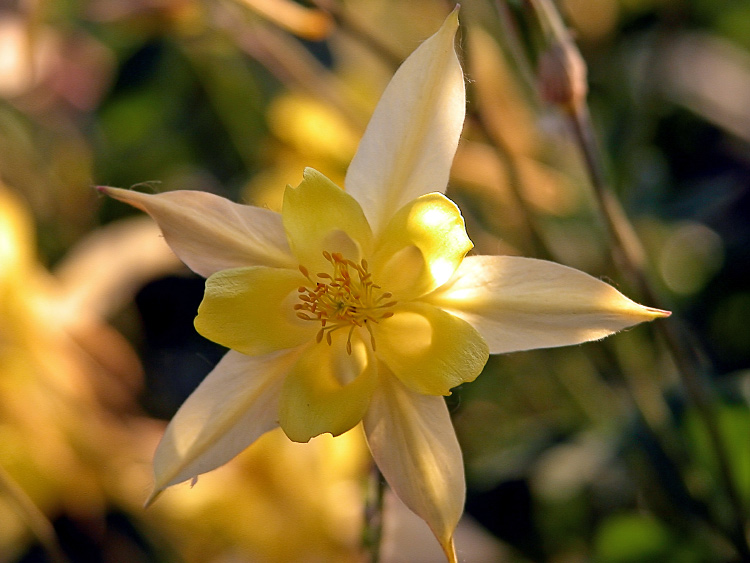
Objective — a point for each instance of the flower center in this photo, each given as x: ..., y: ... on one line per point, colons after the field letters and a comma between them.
x: 345, y: 298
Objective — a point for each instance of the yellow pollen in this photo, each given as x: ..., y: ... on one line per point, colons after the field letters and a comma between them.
x: 345, y: 298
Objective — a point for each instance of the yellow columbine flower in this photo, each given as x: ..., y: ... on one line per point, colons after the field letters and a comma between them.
x: 360, y: 305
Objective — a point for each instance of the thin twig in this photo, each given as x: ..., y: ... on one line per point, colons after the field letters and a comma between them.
x: 630, y: 257
x: 353, y: 28
x: 687, y: 360
x: 563, y: 82
x: 514, y: 44
x: 289, y: 61
x: 504, y: 154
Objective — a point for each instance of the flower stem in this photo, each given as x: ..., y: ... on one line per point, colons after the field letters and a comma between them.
x: 689, y: 362
x: 563, y: 82
x: 372, y: 534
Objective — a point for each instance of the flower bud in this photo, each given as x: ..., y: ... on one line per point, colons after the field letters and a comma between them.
x: 562, y: 76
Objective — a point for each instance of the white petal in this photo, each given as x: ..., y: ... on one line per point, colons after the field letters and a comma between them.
x: 210, y: 233
x: 234, y: 405
x: 409, y: 144
x: 522, y: 303
x: 413, y: 442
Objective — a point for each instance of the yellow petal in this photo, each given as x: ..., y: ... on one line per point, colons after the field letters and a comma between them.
x: 210, y: 233
x: 421, y: 247
x: 251, y: 310
x: 522, y: 303
x: 409, y: 144
x: 328, y: 390
x: 429, y: 350
x: 319, y: 216
x: 234, y: 405
x: 414, y: 445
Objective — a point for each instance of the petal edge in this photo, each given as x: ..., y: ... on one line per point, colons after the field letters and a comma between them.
x: 409, y: 144
x: 210, y: 233
x: 414, y: 445
x: 235, y: 404
x: 523, y: 303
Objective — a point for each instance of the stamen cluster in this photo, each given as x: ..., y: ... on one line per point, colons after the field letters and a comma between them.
x: 345, y: 298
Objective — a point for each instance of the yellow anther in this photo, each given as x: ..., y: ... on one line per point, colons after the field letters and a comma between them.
x: 344, y: 298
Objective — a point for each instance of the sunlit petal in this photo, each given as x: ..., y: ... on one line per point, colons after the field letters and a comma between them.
x: 210, y: 233
x: 522, y: 303
x: 421, y: 246
x: 328, y: 390
x: 317, y: 216
x: 412, y: 137
x: 235, y: 404
x: 413, y: 442
x: 429, y: 350
x: 251, y: 310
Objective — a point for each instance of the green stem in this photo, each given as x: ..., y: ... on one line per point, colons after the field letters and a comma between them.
x: 372, y: 534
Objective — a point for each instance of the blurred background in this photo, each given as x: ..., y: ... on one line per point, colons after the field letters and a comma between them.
x: 588, y: 453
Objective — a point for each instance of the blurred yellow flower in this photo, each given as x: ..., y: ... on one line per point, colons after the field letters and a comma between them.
x: 360, y: 305
x: 69, y: 427
x: 307, y: 494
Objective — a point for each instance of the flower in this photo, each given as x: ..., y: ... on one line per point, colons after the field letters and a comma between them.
x: 361, y: 305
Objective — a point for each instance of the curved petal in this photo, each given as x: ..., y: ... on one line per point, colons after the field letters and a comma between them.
x: 328, y: 390
x: 251, y: 310
x: 409, y: 144
x: 210, y: 233
x: 429, y: 350
x: 421, y: 247
x: 523, y: 303
x: 234, y: 405
x: 319, y: 216
x: 413, y: 443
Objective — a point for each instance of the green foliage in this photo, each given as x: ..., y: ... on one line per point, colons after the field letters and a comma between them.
x: 637, y: 538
